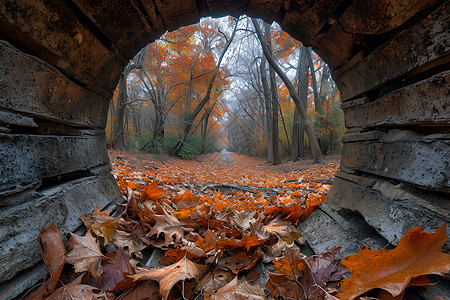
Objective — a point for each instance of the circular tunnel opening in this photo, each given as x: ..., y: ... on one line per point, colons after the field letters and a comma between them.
x: 61, y: 61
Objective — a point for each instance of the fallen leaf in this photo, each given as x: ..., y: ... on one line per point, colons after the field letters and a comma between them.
x: 186, y: 200
x: 42, y: 291
x: 153, y: 192
x: 84, y: 254
x: 241, y: 219
x: 320, y: 269
x: 144, y: 290
x: 170, y: 226
x: 237, y: 262
x: 418, y: 253
x: 173, y: 255
x: 128, y: 240
x: 291, y: 264
x: 170, y: 275
x: 74, y: 290
x: 281, y: 285
x: 116, y: 267
x: 247, y: 241
x: 52, y: 250
x: 214, y: 280
x: 235, y: 290
x: 96, y: 217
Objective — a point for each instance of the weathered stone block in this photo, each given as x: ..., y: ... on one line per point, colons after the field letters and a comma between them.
x: 136, y: 29
x: 57, y: 36
x: 30, y: 86
x: 424, y: 103
x: 62, y: 204
x: 420, y: 160
x: 390, y: 209
x: 399, y: 57
x: 26, y: 159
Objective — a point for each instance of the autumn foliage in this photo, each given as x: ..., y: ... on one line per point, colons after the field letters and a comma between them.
x: 214, y: 223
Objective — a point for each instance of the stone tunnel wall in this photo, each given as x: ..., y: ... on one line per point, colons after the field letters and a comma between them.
x: 60, y: 61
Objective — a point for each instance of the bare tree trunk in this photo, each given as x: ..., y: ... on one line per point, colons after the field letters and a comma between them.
x: 268, y: 110
x: 118, y: 133
x: 302, y: 91
x: 317, y: 154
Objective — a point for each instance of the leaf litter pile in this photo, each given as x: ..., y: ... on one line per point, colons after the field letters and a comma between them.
x: 223, y: 228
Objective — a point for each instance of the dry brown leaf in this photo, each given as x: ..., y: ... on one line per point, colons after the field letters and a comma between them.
x: 238, y: 261
x: 282, y: 285
x: 241, y: 219
x: 42, y: 291
x: 418, y: 253
x: 115, y: 269
x: 235, y: 290
x: 52, y: 250
x: 186, y: 200
x: 96, y: 217
x: 170, y: 226
x: 171, y: 256
x: 144, y: 290
x: 128, y: 240
x: 214, y: 280
x: 170, y: 275
x: 84, y: 254
x: 74, y: 290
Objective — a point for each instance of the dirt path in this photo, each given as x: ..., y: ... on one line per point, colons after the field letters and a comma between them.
x: 225, y: 168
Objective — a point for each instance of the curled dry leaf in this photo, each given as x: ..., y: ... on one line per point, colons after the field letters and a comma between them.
x: 237, y: 290
x: 186, y: 200
x: 97, y: 216
x: 128, y: 240
x: 301, y: 278
x: 170, y: 275
x: 52, y: 250
x: 418, y: 253
x: 153, y: 192
x: 84, y: 254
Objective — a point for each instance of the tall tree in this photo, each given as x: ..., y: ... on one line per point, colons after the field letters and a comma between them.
x: 118, y: 129
x: 275, y: 140
x: 317, y: 154
x: 190, y: 117
x: 298, y: 144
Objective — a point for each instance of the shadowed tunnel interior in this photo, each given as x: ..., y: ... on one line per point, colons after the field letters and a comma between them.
x: 61, y: 61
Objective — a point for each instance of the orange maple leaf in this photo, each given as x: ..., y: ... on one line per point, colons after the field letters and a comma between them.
x: 152, y: 191
x: 418, y: 253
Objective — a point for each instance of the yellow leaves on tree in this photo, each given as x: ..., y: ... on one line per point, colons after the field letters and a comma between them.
x: 418, y: 253
x: 171, y: 275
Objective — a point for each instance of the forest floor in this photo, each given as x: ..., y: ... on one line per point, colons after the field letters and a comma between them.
x: 223, y: 226
x: 222, y: 169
